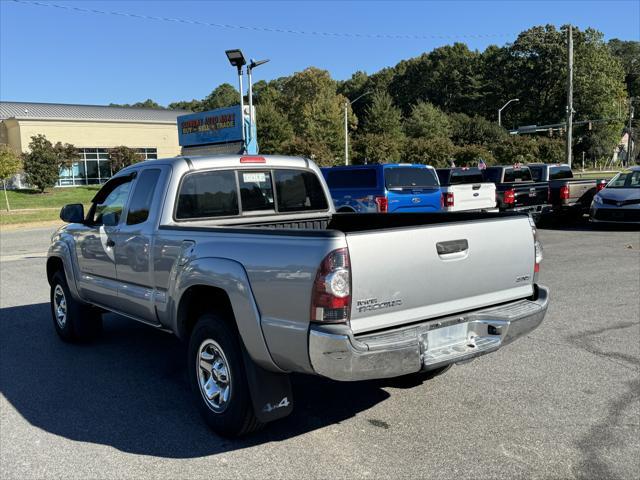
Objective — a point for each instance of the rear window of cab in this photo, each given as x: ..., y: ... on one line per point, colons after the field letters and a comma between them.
x: 227, y: 193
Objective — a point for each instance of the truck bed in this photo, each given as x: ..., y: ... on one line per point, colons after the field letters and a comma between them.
x: 346, y: 222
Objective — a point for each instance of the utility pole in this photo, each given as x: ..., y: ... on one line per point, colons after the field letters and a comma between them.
x: 570, y: 95
x: 629, y: 132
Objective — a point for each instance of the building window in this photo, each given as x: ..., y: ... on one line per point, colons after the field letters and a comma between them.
x: 94, y: 167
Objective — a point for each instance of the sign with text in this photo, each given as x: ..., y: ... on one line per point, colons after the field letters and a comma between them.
x: 206, y: 128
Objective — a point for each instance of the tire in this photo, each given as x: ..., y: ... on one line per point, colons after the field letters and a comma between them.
x: 227, y: 409
x: 73, y: 320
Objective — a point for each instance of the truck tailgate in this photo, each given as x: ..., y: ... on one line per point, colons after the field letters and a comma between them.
x: 476, y: 196
x: 411, y: 274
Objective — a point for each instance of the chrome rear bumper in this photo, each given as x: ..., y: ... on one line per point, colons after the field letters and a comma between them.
x: 337, y: 354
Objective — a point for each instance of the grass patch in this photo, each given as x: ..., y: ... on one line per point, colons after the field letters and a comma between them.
x: 31, y: 216
x: 54, y: 198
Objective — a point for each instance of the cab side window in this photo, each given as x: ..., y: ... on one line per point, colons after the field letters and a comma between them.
x: 142, y: 196
x: 110, y: 201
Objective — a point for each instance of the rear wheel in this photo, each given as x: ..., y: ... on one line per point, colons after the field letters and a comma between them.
x: 218, y: 379
x: 73, y: 320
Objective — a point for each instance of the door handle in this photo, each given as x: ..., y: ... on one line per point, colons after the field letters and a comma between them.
x: 110, y: 243
x: 453, y: 250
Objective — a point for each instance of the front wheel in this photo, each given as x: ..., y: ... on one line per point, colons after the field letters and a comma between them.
x: 218, y: 378
x: 73, y: 320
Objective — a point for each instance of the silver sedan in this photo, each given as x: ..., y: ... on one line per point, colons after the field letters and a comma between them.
x: 619, y: 201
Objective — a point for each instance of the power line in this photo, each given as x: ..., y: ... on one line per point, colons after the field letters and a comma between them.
x: 264, y: 29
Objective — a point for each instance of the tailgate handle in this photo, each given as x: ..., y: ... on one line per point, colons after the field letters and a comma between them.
x: 452, y: 248
x: 477, y: 186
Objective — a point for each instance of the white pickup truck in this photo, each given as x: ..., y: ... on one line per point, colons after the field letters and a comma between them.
x: 465, y: 189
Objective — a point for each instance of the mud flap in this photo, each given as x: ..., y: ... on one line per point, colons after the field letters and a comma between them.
x: 271, y: 392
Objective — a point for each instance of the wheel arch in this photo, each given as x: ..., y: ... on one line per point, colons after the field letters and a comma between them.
x: 222, y: 286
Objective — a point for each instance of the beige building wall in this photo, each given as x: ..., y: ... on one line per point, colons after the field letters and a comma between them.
x: 85, y: 134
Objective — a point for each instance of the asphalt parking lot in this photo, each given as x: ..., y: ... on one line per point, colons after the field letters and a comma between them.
x: 563, y: 402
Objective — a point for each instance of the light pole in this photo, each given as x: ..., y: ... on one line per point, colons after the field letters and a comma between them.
x: 503, y: 107
x: 346, y: 125
x: 236, y: 59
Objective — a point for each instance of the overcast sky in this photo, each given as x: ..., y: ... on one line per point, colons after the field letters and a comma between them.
x: 53, y: 54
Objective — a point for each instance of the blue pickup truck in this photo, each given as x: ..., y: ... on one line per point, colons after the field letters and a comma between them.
x: 384, y: 188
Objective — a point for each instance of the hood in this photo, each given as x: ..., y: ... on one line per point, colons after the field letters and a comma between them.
x: 620, y: 194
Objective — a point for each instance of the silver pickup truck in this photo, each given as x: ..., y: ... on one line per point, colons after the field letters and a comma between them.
x: 244, y: 258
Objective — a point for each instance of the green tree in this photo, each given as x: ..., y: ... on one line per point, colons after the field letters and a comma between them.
x: 427, y: 121
x: 476, y: 130
x: 275, y: 133
x: 628, y: 52
x: 122, y: 157
x: 377, y: 148
x: 10, y: 164
x: 470, y: 155
x: 188, y: 105
x: 148, y: 103
x: 316, y: 113
x: 449, y: 77
x: 383, y: 117
x: 517, y: 149
x: 434, y: 151
x: 43, y: 161
x: 224, y: 95
x: 551, y: 150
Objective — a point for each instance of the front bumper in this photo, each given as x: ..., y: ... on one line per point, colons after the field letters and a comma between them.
x: 337, y: 354
x: 614, y: 215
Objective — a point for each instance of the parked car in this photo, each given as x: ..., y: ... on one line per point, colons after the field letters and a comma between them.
x: 516, y: 191
x: 244, y: 258
x: 386, y: 188
x: 568, y: 195
x: 619, y: 201
x: 465, y: 189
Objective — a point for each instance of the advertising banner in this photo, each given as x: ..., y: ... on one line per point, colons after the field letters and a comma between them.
x: 222, y: 125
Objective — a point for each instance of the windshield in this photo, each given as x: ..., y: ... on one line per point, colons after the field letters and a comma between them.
x: 626, y: 179
x: 410, y: 178
x: 517, y: 174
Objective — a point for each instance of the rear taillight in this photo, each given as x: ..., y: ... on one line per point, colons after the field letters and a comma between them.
x: 331, y: 295
x: 447, y: 199
x: 564, y: 192
x: 510, y: 196
x: 382, y: 204
x: 538, y: 253
x: 600, y: 185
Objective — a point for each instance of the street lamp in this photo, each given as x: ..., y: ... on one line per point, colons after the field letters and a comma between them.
x: 236, y: 59
x: 503, y: 107
x: 346, y: 125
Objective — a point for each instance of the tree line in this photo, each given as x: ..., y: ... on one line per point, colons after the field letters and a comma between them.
x: 443, y: 104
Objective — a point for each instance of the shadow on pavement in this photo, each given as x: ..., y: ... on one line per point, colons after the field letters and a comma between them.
x: 129, y: 389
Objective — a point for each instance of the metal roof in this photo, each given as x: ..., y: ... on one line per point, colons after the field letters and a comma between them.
x: 61, y: 111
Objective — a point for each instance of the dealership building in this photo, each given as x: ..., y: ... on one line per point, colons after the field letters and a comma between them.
x: 93, y: 130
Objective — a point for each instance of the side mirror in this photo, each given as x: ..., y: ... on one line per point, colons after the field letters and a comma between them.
x: 72, y: 213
